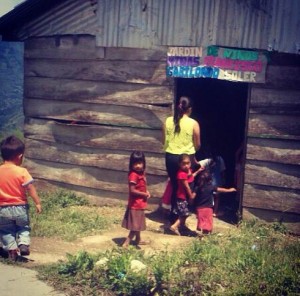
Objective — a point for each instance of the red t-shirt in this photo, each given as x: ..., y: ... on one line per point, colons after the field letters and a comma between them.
x: 134, y: 201
x: 182, y: 175
x: 13, y: 182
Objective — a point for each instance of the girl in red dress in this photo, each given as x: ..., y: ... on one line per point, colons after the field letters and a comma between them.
x: 184, y: 193
x: 134, y: 219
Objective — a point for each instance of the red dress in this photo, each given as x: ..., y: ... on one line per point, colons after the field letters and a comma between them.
x: 182, y: 175
x: 134, y: 218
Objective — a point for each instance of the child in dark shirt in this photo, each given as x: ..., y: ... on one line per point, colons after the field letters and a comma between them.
x: 204, y: 200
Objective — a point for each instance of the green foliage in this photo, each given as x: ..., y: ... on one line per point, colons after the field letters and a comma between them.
x: 118, y: 277
x: 67, y: 216
x: 61, y: 199
x: 82, y: 262
x: 114, y: 276
x: 16, y: 132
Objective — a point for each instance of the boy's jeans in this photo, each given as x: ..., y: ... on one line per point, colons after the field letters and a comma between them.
x: 14, y: 226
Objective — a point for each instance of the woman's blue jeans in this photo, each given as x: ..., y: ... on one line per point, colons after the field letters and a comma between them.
x: 14, y: 226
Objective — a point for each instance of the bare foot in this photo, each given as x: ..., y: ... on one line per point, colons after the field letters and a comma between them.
x: 174, y: 230
x: 125, y: 243
x: 143, y: 242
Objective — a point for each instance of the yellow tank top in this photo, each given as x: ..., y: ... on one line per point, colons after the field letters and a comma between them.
x: 181, y: 142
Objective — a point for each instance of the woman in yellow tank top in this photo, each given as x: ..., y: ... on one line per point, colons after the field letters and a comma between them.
x: 181, y: 135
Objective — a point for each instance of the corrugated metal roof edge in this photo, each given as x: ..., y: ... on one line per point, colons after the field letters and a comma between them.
x: 23, y: 13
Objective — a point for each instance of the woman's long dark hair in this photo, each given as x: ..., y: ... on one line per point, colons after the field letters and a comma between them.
x: 183, y: 106
x: 137, y: 156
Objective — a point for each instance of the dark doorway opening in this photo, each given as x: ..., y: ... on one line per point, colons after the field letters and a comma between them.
x: 220, y: 107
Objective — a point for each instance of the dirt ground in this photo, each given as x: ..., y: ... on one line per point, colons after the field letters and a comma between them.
x: 49, y: 250
x: 22, y: 279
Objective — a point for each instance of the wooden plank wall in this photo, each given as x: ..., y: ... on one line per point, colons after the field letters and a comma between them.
x: 272, y: 174
x: 87, y: 108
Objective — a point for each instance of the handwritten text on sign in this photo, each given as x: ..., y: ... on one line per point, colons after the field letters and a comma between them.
x: 216, y: 62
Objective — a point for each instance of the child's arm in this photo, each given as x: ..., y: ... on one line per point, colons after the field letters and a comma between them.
x: 134, y: 192
x: 198, y: 171
x: 224, y: 190
x: 163, y: 134
x: 188, y: 190
x: 32, y: 192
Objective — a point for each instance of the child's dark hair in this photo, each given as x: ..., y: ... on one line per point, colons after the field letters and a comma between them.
x: 183, y: 105
x: 137, y: 156
x: 204, y: 178
x: 182, y: 157
x: 11, y: 147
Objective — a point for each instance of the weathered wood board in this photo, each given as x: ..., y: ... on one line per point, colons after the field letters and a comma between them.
x: 147, y: 72
x: 136, y: 54
x: 274, y: 150
x: 105, y: 137
x: 110, y: 92
x: 134, y: 115
x: 282, y: 77
x: 104, y: 179
x: 90, y: 156
x: 290, y: 220
x: 271, y: 174
x: 280, y: 101
x: 285, y: 126
x: 95, y: 196
x: 272, y: 198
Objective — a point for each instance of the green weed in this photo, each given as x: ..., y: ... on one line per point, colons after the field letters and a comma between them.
x: 16, y: 132
x: 67, y: 216
x: 82, y: 262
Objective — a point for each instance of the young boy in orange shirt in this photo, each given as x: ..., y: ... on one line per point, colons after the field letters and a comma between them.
x: 15, y: 183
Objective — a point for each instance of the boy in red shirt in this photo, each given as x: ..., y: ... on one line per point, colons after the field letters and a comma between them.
x: 15, y: 183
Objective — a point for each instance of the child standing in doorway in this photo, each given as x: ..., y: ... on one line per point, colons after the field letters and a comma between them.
x: 204, y: 200
x: 15, y: 183
x: 134, y: 219
x: 184, y: 194
x: 217, y: 168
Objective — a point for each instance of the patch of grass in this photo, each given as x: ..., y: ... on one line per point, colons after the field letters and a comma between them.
x: 68, y: 216
x: 254, y: 259
x: 16, y: 132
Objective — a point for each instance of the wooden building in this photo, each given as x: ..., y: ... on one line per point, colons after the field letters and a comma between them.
x: 101, y: 76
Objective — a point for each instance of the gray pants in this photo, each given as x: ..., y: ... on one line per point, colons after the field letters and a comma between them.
x: 14, y: 226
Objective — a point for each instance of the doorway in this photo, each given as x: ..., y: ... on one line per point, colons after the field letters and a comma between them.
x: 221, y: 109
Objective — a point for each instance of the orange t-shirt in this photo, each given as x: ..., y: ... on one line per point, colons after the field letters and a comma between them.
x: 13, y: 182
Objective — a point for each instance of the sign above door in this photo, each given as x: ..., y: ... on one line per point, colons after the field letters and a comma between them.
x: 217, y: 62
